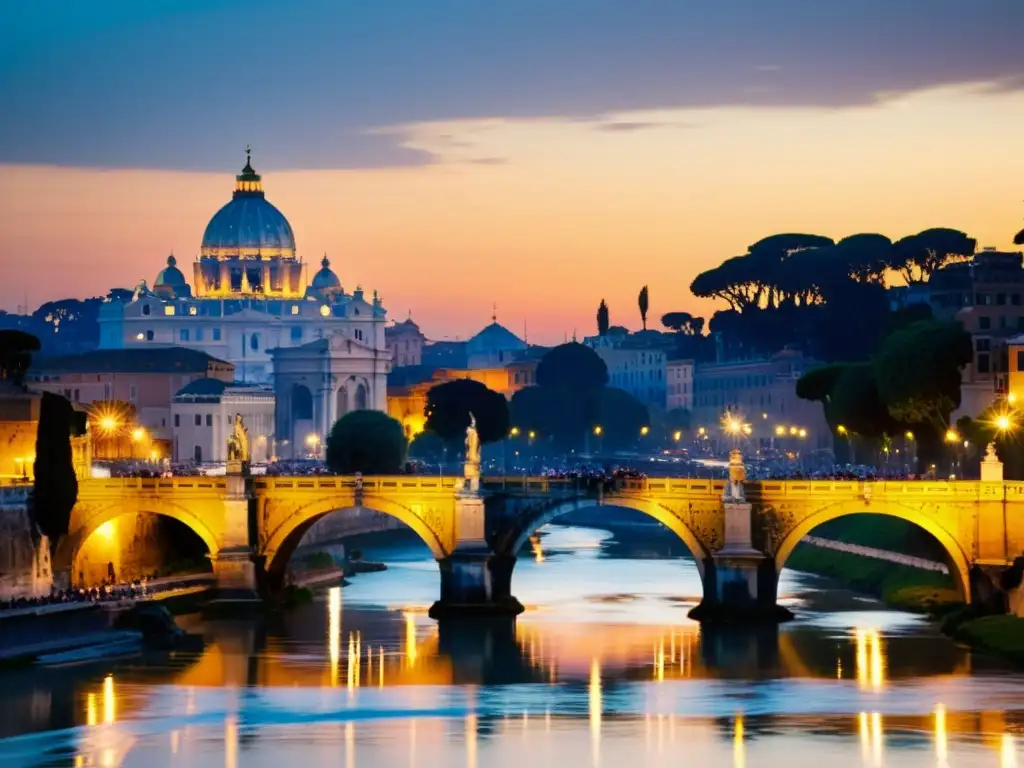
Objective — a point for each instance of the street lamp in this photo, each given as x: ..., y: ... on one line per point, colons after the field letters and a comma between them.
x: 780, y: 431
x: 793, y: 430
x: 514, y: 432
x: 677, y: 435
x: 138, y: 435
x: 313, y: 441
x: 841, y: 429
x: 532, y: 435
x: 644, y: 430
x: 802, y: 433
x: 598, y: 430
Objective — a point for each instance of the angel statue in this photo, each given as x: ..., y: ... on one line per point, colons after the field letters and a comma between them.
x: 472, y: 442
x: 238, y: 442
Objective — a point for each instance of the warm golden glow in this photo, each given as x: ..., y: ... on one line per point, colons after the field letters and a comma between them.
x: 109, y: 702
x: 350, y: 744
x: 677, y: 435
x: 941, y: 736
x: 1007, y: 752
x: 1004, y: 423
x: 701, y: 431
x: 659, y: 660
x: 471, y: 741
x: 138, y: 434
x: 792, y: 430
x: 538, y: 553
x: 108, y: 423
x: 597, y: 430
x: 1011, y: 398
x: 952, y: 436
x: 780, y: 431
x: 594, y: 698
x: 90, y: 709
x: 870, y: 660
x: 334, y: 631
x: 514, y: 432
x: 410, y: 638
x: 644, y: 431
x: 350, y: 681
x: 230, y: 742
x: 909, y: 435
x: 739, y: 756
x: 325, y: 310
x: 107, y: 530
x: 802, y: 433
x: 841, y: 429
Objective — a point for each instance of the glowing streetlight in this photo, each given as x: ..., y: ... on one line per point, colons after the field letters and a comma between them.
x: 909, y: 435
x: 138, y: 434
x: 841, y: 429
x: 802, y: 433
x: 793, y: 430
x: 108, y: 423
x: 514, y: 431
x: 952, y: 436
x: 677, y: 435
x: 747, y: 429
x: 644, y: 430
x: 532, y: 434
x: 598, y: 430
x: 780, y: 431
x: 313, y: 441
x: 1004, y: 423
x: 701, y: 431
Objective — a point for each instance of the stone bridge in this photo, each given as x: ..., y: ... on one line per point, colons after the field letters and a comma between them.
x: 251, y: 525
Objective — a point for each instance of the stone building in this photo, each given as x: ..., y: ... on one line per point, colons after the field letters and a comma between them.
x: 405, y: 342
x: 203, y: 414
x: 250, y: 294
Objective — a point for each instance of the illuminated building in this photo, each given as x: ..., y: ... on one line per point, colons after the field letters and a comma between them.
x: 203, y: 416
x: 250, y: 294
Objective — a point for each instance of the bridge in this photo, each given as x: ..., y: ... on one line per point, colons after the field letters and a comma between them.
x: 251, y: 526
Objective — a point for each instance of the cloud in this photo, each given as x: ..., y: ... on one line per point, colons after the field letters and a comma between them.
x: 488, y: 160
x: 185, y: 84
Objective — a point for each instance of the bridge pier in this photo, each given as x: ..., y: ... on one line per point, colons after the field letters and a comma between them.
x: 234, y: 564
x: 740, y: 582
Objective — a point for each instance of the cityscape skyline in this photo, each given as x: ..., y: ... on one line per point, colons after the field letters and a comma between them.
x: 653, y: 147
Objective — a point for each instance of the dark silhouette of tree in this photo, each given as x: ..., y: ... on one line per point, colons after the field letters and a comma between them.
x: 683, y: 322
x: 55, y: 487
x: 427, y: 445
x: 643, y: 302
x: 621, y: 417
x: 864, y: 257
x: 16, y: 348
x: 916, y: 257
x: 618, y: 330
x: 366, y: 441
x: 1019, y: 238
x: 602, y: 319
x: 449, y: 405
x: 572, y: 367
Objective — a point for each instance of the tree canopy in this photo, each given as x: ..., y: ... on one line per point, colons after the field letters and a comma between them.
x: 916, y: 257
x: 16, y: 348
x: 643, y: 301
x: 366, y: 441
x: 572, y: 367
x: 56, y: 486
x: 602, y: 319
x: 449, y: 405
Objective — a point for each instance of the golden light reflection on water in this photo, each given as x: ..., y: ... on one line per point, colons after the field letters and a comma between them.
x: 594, y: 697
x: 1007, y: 752
x: 334, y: 631
x: 231, y: 742
x: 109, y: 701
x: 350, y: 744
x: 870, y: 659
x: 538, y: 553
x: 410, y: 638
x: 941, y: 736
x: 471, y: 722
x: 739, y: 755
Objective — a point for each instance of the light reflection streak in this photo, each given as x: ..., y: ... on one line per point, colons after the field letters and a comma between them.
x: 109, y: 703
x: 90, y: 709
x: 175, y: 741
x: 739, y: 753
x: 410, y: 639
x: 412, y: 742
x: 941, y: 736
x: 351, y: 670
x: 470, y: 741
x: 538, y: 553
x: 870, y: 660
x: 230, y: 742
x: 334, y: 631
x: 594, y: 697
x: 1007, y: 752
x: 350, y: 744
x: 380, y: 668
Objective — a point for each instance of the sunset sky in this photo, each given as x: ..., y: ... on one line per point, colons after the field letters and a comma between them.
x: 539, y: 155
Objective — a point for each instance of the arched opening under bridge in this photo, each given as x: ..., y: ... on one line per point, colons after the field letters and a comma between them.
x: 119, y: 546
x: 306, y: 538
x: 620, y: 513
x: 844, y: 539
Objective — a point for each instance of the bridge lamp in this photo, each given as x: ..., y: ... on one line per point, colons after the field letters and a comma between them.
x: 701, y: 431
x: 514, y: 432
x: 677, y: 435
x: 952, y: 436
x: 644, y: 430
x: 532, y: 434
x: 1004, y: 423
x: 747, y: 429
x: 598, y: 430
x: 793, y: 430
x: 138, y: 434
x: 802, y: 433
x: 108, y: 423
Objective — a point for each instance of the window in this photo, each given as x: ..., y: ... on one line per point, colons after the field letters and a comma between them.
x: 177, y: 419
x: 1020, y: 359
x: 197, y: 454
x: 295, y: 309
x: 296, y: 333
x: 149, y: 335
x: 106, y: 391
x: 983, y: 363
x: 183, y: 334
x: 209, y: 419
x: 1000, y: 299
x: 984, y: 322
x: 77, y: 395
x: 216, y: 334
x: 254, y: 342
x: 1015, y: 299
x: 983, y: 345
x: 169, y: 310
x: 199, y: 420
x: 133, y: 393
x: 199, y: 334
x: 192, y: 311
x: 145, y: 309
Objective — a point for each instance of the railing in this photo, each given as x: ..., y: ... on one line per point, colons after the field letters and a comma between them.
x: 151, y: 484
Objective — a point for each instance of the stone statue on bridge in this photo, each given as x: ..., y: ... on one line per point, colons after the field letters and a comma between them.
x: 238, y: 442
x: 737, y: 476
x: 471, y: 468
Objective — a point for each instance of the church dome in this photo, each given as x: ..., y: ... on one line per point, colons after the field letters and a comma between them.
x: 248, y: 226
x: 170, y: 275
x: 325, y: 279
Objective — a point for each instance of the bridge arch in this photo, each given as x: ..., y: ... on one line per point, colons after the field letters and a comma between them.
x: 514, y: 542
x: 283, y: 538
x: 959, y: 562
x: 65, y: 559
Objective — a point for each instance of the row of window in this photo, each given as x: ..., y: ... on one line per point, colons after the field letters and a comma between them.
x: 632, y: 377
x: 980, y: 299
x: 679, y: 389
x: 733, y: 382
x: 1004, y: 323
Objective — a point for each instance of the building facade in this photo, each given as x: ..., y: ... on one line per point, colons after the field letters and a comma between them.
x: 761, y: 393
x: 317, y: 383
x: 405, y: 342
x: 203, y: 416
x: 679, y: 384
x: 250, y: 294
x: 148, y: 379
x: 639, y: 371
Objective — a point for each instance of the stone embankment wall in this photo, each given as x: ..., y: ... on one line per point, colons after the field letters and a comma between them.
x: 352, y: 522
x: 24, y: 558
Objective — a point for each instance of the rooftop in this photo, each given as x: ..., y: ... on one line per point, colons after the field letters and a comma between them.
x: 142, y: 360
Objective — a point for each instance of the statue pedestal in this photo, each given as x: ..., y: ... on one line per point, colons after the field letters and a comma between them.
x: 235, y: 566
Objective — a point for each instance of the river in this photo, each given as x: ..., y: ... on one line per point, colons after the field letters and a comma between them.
x: 603, y: 669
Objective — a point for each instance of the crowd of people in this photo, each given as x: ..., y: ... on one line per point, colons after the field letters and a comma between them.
x: 105, y: 593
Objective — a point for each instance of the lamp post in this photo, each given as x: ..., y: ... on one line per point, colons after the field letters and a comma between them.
x: 952, y: 438
x: 313, y: 442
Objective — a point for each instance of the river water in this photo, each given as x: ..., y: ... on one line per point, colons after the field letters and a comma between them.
x: 604, y: 669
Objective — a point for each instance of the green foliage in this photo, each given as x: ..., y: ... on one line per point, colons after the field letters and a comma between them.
x: 16, y: 348
x: 428, y: 446
x: 572, y: 367
x: 450, y: 404
x: 906, y: 316
x: 602, y: 319
x: 643, y: 301
x: 817, y: 383
x: 56, y: 487
x: 918, y: 371
x: 370, y: 442
x: 1003, y: 635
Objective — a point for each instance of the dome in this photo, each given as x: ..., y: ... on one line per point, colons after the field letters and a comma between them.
x: 248, y: 226
x: 170, y: 275
x: 325, y: 279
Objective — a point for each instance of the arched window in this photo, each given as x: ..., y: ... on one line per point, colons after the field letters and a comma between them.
x: 254, y: 342
x: 361, y: 397
x: 145, y: 309
x: 302, y: 403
